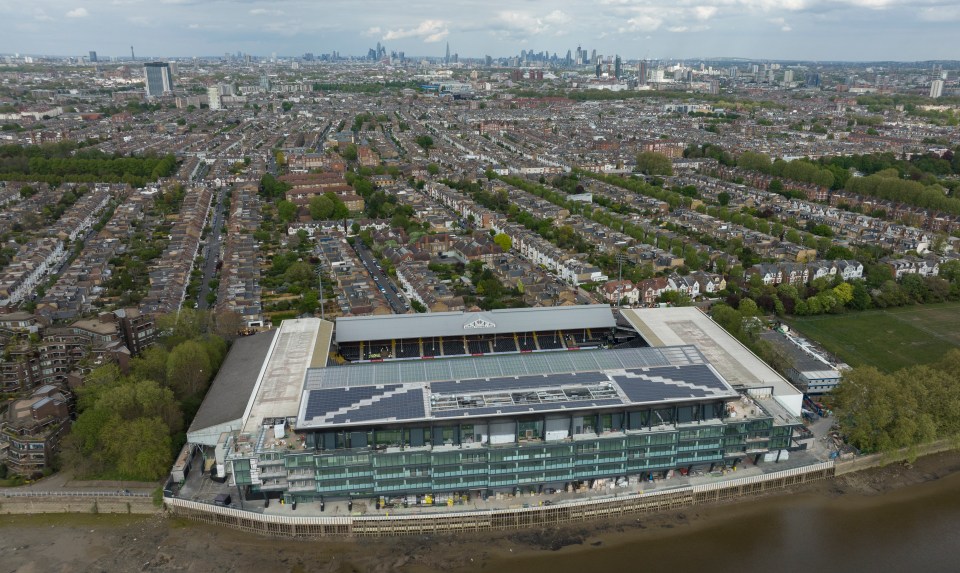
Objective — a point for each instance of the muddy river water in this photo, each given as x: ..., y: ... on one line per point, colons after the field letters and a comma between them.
x: 912, y: 529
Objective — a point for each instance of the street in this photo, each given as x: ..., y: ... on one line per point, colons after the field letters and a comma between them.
x: 211, y: 252
x: 387, y: 287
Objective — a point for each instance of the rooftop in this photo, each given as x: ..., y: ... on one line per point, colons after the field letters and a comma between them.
x: 228, y: 395
x: 506, y: 384
x: 298, y: 345
x: 363, y: 328
x: 734, y: 361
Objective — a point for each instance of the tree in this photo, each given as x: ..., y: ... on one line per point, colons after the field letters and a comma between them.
x: 321, y: 208
x: 729, y: 319
x: 844, y: 293
x: 653, y: 163
x: 140, y: 448
x: 299, y: 273
x: 228, y: 324
x: 188, y: 368
x: 287, y: 211
x: 150, y: 365
x: 723, y: 198
x: 504, y: 241
x: 748, y: 308
x: 754, y: 161
x: 433, y: 169
x: 425, y: 141
x: 349, y: 152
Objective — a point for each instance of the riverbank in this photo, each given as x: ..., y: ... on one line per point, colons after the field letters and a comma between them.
x: 160, y: 543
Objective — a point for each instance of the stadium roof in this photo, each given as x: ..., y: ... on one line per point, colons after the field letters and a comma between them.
x: 737, y: 364
x: 227, y: 398
x: 488, y: 386
x: 503, y: 321
x: 299, y: 345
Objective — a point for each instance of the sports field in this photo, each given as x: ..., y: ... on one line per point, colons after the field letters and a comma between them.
x: 888, y: 339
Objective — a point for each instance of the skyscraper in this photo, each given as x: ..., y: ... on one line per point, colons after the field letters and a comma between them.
x: 642, y: 73
x: 93, y: 56
x: 936, y: 88
x: 213, y: 97
x: 158, y: 78
x: 446, y: 59
x: 617, y: 67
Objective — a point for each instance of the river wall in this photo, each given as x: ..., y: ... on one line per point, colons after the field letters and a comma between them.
x: 499, y: 519
x: 32, y: 503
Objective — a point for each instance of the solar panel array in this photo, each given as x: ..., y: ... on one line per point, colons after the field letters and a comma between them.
x: 498, y: 366
x: 672, y: 383
x: 366, y: 403
x: 405, y: 406
x: 508, y: 385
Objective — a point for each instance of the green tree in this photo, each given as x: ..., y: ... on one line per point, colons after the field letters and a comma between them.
x: 287, y: 211
x: 349, y: 152
x: 139, y: 448
x: 321, y: 208
x: 299, y: 273
x: 653, y: 163
x: 504, y: 241
x: 425, y: 141
x: 151, y: 364
x: 188, y: 368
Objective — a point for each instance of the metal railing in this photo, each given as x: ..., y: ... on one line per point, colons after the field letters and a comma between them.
x: 121, y: 493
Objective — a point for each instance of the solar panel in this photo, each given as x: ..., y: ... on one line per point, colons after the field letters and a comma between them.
x: 407, y: 405
x: 673, y: 382
x: 495, y: 366
x: 321, y: 403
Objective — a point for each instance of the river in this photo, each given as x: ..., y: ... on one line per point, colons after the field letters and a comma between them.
x: 911, y: 529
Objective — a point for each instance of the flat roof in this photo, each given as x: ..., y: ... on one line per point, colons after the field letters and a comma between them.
x: 490, y: 386
x: 738, y: 365
x: 280, y: 379
x: 231, y: 389
x: 501, y: 321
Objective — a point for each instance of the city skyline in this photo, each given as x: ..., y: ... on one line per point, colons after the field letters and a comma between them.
x: 794, y: 30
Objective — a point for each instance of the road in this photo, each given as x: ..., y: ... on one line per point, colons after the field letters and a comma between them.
x: 211, y: 252
x: 388, y: 289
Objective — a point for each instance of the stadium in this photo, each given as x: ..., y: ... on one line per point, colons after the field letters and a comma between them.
x: 478, y: 403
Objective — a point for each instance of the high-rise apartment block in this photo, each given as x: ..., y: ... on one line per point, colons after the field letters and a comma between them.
x: 158, y: 78
x: 213, y: 97
x: 93, y: 57
x: 936, y: 88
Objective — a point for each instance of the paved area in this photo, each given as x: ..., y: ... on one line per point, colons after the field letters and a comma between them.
x: 389, y: 290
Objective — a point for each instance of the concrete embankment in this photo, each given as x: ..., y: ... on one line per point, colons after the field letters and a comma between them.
x: 16, y: 503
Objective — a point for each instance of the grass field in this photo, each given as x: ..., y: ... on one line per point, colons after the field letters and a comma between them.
x: 888, y: 339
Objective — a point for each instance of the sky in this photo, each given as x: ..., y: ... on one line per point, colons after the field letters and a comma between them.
x: 853, y: 30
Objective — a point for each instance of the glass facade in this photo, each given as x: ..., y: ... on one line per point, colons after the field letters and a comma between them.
x: 414, y: 459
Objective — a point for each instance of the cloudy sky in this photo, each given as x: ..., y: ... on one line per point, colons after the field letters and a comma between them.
x: 775, y: 29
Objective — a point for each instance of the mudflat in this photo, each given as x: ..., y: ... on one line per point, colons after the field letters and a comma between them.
x: 111, y: 543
